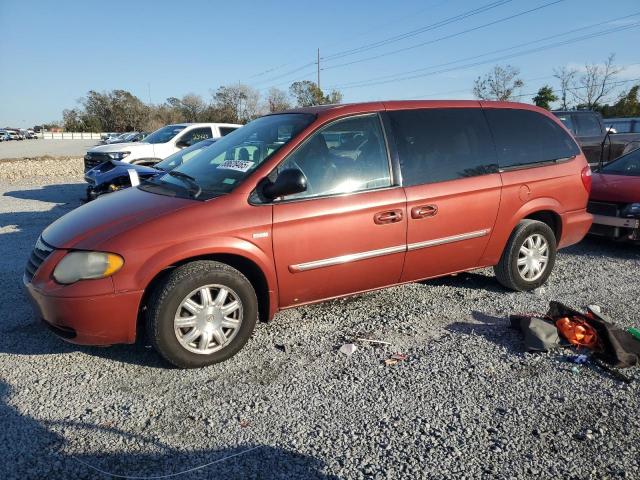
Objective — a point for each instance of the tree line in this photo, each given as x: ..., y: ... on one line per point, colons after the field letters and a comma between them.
x: 588, y: 88
x: 120, y: 110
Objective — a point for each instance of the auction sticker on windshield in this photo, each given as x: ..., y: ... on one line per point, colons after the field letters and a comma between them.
x: 237, y: 165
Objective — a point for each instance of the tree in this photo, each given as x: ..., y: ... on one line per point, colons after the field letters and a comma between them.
x: 190, y: 107
x: 308, y: 94
x: 236, y: 103
x: 566, y: 77
x: 117, y: 110
x: 277, y: 100
x: 596, y: 83
x: 499, y: 84
x: 545, y: 97
x: 626, y: 106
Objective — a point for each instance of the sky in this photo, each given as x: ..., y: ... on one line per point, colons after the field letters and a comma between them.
x: 55, y: 52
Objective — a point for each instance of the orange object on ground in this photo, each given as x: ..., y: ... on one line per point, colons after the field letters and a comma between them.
x: 578, y: 332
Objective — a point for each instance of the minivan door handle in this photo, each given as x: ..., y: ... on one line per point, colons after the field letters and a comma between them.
x: 424, y: 211
x: 388, y: 216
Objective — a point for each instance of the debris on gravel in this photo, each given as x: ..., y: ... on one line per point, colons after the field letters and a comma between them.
x: 465, y: 401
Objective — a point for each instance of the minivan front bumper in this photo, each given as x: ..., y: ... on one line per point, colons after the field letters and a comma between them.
x: 92, y: 320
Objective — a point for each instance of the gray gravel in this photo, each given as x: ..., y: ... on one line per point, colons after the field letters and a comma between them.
x: 467, y: 402
x: 40, y: 147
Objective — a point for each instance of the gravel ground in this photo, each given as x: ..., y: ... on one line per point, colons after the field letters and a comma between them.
x: 40, y: 148
x: 466, y: 403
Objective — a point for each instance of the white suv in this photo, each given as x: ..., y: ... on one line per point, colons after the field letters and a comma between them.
x: 158, y: 145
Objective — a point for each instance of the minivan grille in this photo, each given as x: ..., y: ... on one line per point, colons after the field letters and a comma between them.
x: 602, y: 208
x: 93, y: 159
x: 39, y: 254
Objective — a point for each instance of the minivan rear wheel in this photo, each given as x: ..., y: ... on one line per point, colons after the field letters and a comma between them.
x: 528, y: 258
x: 202, y: 313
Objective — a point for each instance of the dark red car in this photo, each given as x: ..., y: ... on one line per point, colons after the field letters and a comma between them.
x: 615, y: 199
x: 308, y: 205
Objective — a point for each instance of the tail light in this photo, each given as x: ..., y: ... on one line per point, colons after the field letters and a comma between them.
x: 586, y: 178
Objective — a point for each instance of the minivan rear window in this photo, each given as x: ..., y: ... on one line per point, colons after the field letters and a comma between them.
x: 436, y: 145
x: 524, y: 137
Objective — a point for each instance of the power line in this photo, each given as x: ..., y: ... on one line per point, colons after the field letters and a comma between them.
x: 446, y: 37
x: 517, y: 54
x: 412, y: 33
x: 525, y: 44
x: 396, y: 38
x: 377, y: 27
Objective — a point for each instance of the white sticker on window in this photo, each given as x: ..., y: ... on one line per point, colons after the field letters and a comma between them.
x: 237, y: 165
x: 133, y: 176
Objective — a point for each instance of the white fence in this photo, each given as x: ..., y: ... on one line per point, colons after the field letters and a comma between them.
x: 70, y: 136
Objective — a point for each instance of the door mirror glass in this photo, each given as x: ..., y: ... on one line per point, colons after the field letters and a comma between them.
x: 288, y: 182
x: 182, y: 144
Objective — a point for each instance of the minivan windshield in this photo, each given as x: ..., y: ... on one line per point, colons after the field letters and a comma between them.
x: 164, y: 134
x: 218, y: 169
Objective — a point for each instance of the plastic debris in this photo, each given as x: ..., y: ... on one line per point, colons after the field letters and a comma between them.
x: 371, y: 340
x: 579, y: 359
x: 595, y: 309
x: 575, y: 369
x: 348, y: 349
x: 635, y: 332
x: 395, y: 359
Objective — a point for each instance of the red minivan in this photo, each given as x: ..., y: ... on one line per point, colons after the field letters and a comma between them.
x: 308, y: 205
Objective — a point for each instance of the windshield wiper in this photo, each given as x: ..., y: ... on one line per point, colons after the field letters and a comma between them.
x: 189, y: 180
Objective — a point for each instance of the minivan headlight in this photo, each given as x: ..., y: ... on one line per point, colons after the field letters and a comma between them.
x: 118, y: 155
x: 631, y: 210
x: 86, y: 265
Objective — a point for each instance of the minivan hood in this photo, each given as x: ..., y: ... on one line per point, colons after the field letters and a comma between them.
x: 107, y: 216
x: 615, y: 188
x: 119, y: 147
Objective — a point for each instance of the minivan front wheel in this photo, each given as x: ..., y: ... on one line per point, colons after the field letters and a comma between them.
x: 529, y: 256
x: 202, y: 313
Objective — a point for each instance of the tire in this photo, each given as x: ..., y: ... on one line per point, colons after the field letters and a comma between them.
x: 524, y: 277
x: 217, y: 341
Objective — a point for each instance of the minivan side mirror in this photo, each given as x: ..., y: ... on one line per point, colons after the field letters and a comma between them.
x: 288, y: 182
x: 182, y: 144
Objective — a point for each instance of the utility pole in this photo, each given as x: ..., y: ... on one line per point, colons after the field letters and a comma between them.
x: 318, y: 63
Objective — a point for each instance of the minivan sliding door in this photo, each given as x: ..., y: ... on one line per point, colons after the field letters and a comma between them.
x: 451, y: 180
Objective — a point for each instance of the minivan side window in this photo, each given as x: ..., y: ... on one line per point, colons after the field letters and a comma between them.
x: 196, y: 135
x: 348, y: 155
x: 588, y: 125
x: 436, y: 145
x: 524, y: 137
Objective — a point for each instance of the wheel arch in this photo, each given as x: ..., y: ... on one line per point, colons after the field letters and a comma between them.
x: 263, y: 281
x: 544, y: 209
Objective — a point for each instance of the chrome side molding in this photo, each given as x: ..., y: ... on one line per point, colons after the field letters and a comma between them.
x: 354, y: 257
x: 451, y: 239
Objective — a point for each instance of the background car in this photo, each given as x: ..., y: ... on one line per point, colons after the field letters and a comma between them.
x: 113, y: 175
x: 158, y: 145
x: 4, y: 136
x: 590, y: 129
x: 117, y: 138
x: 615, y: 199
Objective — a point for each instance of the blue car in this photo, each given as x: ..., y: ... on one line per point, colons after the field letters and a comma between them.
x: 115, y: 175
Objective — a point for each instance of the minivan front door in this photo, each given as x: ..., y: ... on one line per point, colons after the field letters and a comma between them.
x: 347, y: 232
x: 450, y: 174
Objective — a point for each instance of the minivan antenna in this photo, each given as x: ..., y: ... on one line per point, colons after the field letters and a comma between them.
x: 604, y: 140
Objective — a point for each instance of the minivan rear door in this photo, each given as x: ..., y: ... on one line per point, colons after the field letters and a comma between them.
x: 347, y: 232
x: 451, y: 180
